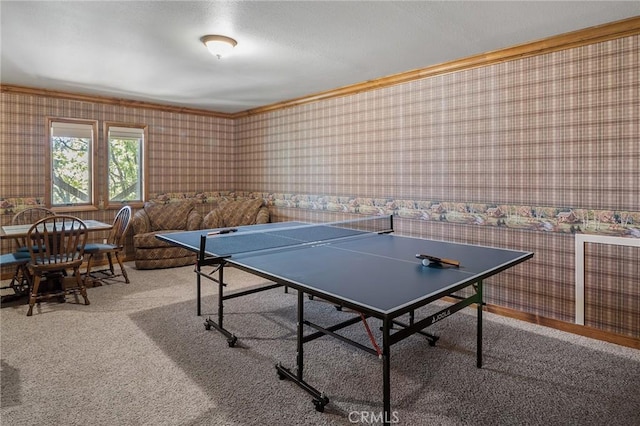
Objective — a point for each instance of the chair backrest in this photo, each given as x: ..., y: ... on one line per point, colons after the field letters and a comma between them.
x: 31, y: 215
x: 57, y: 240
x: 120, y: 227
x: 28, y: 217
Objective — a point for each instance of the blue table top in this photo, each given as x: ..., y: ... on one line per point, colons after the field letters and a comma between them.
x: 377, y: 272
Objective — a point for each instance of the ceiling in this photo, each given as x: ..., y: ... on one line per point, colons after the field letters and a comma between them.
x: 151, y: 51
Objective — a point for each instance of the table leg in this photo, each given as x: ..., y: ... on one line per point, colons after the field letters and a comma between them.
x: 386, y: 370
x: 221, y: 296
x: 319, y: 398
x: 231, y: 338
x: 479, y: 333
x: 198, y: 288
x: 300, y: 337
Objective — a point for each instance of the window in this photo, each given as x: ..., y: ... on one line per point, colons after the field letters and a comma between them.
x: 94, y: 171
x: 71, y: 151
x: 125, y: 162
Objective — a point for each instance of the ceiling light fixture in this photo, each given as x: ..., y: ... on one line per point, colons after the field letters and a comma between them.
x: 219, y: 45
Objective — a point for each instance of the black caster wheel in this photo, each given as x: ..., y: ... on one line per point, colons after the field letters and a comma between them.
x: 207, y: 326
x: 320, y: 403
x: 281, y: 375
x: 232, y: 341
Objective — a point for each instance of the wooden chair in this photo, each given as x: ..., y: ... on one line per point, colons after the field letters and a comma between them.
x: 21, y: 280
x: 113, y: 247
x: 28, y: 217
x: 56, y: 243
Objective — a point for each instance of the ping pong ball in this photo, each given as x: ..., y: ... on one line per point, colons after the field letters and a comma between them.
x: 426, y: 262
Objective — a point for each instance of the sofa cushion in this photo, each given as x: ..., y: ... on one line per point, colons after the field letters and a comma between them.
x: 149, y: 240
x: 168, y: 216
x: 165, y: 263
x: 164, y: 253
x: 241, y: 212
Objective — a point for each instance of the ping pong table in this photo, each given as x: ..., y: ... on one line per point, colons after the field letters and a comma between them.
x: 360, y: 267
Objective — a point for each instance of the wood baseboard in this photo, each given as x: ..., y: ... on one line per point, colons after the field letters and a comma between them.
x: 580, y: 330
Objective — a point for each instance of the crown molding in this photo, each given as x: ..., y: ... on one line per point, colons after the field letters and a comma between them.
x: 8, y: 88
x: 591, y: 35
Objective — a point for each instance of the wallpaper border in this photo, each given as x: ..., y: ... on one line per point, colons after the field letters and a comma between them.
x: 531, y: 218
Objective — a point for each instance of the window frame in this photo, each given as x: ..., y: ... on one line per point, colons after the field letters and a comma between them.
x: 92, y: 204
x: 104, y: 199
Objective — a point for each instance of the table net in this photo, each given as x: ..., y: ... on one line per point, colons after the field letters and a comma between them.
x: 282, y: 236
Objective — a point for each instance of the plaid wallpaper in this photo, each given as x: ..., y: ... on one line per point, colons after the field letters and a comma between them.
x: 539, y: 148
x: 186, y: 152
x: 534, y: 149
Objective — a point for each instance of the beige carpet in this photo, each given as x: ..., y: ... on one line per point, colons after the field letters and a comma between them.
x: 138, y: 355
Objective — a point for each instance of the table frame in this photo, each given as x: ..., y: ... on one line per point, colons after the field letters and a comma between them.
x: 393, y: 330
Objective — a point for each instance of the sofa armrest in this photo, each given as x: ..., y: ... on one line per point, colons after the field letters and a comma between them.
x: 263, y: 215
x: 140, y: 222
x: 194, y: 220
x: 213, y: 219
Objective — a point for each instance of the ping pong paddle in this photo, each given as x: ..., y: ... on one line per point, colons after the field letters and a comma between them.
x: 438, y: 260
x: 222, y: 231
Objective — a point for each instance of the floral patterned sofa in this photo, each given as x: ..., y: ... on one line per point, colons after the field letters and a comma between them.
x: 155, y: 218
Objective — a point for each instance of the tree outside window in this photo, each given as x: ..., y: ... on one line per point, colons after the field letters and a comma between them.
x: 125, y: 151
x: 71, y: 153
x: 91, y: 173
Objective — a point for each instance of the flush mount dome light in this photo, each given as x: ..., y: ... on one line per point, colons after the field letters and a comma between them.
x: 219, y: 45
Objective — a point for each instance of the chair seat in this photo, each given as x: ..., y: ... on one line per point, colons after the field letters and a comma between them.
x: 53, y: 261
x: 14, y: 258
x: 25, y: 249
x: 21, y: 280
x: 96, y: 247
